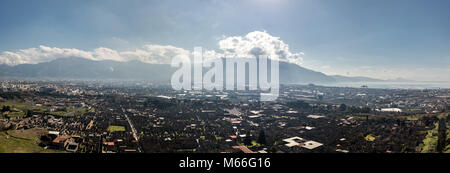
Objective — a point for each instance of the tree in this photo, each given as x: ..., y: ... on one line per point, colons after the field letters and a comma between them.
x: 299, y: 104
x: 29, y: 113
x: 262, y: 138
x: 442, y: 136
x: 365, y: 110
x: 342, y: 107
x: 273, y: 149
x: 248, y: 139
x: 6, y: 108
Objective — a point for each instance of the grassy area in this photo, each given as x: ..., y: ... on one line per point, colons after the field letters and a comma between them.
x: 23, y: 107
x: 418, y: 116
x: 22, y: 141
x: 208, y: 111
x: 78, y: 111
x: 116, y: 128
x: 218, y: 137
x: 443, y: 115
x: 70, y: 112
x: 9, y: 144
x: 412, y: 110
x: 29, y: 134
x: 431, y: 139
x: 19, y: 109
x: 14, y: 114
x: 413, y: 117
x: 370, y: 138
x: 360, y: 117
x: 447, y: 148
x: 254, y: 144
x: 91, y: 110
x: 430, y: 142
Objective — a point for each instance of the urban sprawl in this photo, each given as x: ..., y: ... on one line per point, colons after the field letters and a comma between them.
x: 136, y: 117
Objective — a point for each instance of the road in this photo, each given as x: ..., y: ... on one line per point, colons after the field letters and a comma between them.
x: 135, y: 134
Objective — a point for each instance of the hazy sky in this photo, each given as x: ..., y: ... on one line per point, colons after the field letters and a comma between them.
x: 376, y: 38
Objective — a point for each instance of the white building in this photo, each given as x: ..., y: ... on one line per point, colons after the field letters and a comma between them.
x: 390, y: 110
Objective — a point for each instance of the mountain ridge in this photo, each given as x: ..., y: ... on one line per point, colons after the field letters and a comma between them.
x: 80, y: 68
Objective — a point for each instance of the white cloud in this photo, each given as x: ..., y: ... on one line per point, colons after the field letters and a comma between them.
x: 253, y: 44
x: 259, y: 43
x: 41, y: 54
x: 103, y: 53
x: 155, y: 54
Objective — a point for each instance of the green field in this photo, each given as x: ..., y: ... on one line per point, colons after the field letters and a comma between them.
x: 431, y: 139
x: 20, y: 106
x: 18, y: 110
x: 14, y: 114
x: 22, y: 141
x: 116, y: 128
x: 69, y: 112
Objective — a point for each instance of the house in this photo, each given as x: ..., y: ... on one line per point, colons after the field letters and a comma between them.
x: 60, y: 142
x: 71, y: 146
x: 297, y: 141
x: 294, y: 141
x: 311, y: 144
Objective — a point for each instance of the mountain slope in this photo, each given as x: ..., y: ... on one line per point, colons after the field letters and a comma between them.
x: 79, y: 68
x: 292, y: 73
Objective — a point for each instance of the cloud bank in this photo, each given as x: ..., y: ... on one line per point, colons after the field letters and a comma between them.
x: 259, y: 43
x: 251, y: 45
x: 154, y: 54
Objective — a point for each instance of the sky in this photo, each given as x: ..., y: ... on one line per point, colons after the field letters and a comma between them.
x: 384, y: 39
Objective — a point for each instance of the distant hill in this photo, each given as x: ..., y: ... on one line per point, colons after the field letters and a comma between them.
x: 80, y: 68
x: 345, y: 79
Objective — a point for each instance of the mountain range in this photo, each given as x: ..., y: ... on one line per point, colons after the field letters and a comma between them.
x: 80, y: 68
